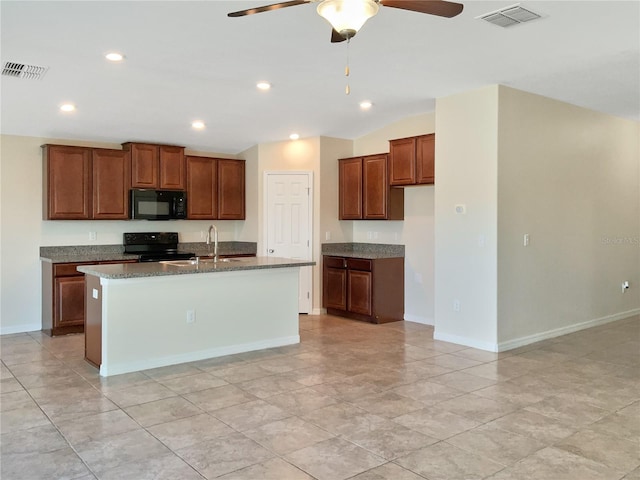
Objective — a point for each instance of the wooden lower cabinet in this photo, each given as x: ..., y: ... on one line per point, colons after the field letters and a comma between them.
x: 93, y: 323
x: 63, y: 297
x: 371, y: 290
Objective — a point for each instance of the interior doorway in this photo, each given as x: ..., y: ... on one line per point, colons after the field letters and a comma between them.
x: 288, y: 224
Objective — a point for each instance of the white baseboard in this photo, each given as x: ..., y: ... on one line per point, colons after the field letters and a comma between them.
x: 418, y: 319
x: 466, y: 341
x: 557, y: 332
x: 537, y: 337
x: 319, y: 311
x: 29, y: 327
x: 117, y: 369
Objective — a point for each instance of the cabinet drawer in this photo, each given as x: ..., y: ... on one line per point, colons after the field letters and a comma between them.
x: 67, y: 269
x: 359, y: 264
x: 335, y: 262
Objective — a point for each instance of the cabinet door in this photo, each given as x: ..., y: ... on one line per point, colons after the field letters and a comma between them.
x: 202, y: 188
x: 374, y: 187
x: 110, y: 184
x: 69, y: 301
x: 359, y: 292
x: 144, y: 165
x: 425, y: 159
x: 172, y: 168
x: 68, y: 183
x: 231, y: 193
x: 335, y: 288
x: 350, y: 187
x: 402, y: 165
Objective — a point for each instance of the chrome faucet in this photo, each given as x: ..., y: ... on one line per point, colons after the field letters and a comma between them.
x: 215, y: 242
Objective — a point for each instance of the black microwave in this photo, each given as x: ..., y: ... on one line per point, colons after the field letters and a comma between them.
x: 158, y: 204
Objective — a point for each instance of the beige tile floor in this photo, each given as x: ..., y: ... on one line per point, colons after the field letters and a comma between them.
x: 353, y: 400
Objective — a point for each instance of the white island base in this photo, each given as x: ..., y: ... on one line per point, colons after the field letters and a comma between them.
x: 155, y: 321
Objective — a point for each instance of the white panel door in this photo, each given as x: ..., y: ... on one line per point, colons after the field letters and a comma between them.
x: 288, y: 224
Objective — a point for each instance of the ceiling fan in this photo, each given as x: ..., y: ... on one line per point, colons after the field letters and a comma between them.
x: 348, y: 16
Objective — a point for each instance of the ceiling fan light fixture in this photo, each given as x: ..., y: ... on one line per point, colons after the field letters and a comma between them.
x: 347, y: 16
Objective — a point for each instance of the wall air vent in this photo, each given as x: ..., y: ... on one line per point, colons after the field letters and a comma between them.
x: 508, y: 16
x: 22, y: 70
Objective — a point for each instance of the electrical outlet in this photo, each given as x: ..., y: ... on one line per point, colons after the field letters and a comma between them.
x: 327, y: 235
x: 525, y: 240
x: 93, y: 236
x: 456, y: 305
x: 375, y: 235
x: 369, y: 235
x: 191, y: 316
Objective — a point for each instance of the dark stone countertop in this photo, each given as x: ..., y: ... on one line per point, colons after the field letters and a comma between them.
x: 105, y: 253
x: 363, y: 250
x: 156, y: 269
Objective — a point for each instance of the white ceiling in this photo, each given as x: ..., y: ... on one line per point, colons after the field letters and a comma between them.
x: 186, y: 60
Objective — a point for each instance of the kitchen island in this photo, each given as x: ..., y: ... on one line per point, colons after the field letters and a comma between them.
x: 148, y: 315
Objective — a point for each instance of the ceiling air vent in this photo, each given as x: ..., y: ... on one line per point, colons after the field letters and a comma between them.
x: 22, y: 70
x: 513, y: 15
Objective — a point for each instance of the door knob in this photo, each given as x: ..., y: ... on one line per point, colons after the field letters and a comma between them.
x: 271, y: 250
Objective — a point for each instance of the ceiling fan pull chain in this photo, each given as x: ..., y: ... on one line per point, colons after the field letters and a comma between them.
x: 347, y: 90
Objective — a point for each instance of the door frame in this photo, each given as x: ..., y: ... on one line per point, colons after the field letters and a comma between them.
x: 265, y: 225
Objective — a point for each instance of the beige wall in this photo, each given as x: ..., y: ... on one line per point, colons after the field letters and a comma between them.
x: 331, y: 229
x: 568, y: 177
x: 23, y: 231
x: 573, y: 185
x: 466, y: 244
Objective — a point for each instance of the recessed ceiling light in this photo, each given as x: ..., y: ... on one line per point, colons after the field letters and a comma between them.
x: 294, y: 136
x: 114, y: 57
x: 198, y: 125
x: 366, y: 105
x: 67, y: 107
x: 263, y: 85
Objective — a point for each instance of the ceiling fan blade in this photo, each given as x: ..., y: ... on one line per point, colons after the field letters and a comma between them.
x: 441, y: 8
x: 336, y: 37
x: 267, y: 8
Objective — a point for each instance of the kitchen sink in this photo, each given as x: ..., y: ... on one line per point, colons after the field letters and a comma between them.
x: 211, y: 260
x: 180, y: 263
x: 201, y: 261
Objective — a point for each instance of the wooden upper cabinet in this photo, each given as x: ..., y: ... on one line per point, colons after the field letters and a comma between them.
x: 374, y: 187
x: 67, y: 183
x: 172, y: 168
x: 215, y: 188
x: 402, y: 165
x: 365, y: 193
x: 202, y: 188
x: 231, y: 189
x: 156, y: 166
x: 412, y: 160
x: 350, y: 187
x: 110, y: 184
x: 144, y: 165
x: 425, y: 159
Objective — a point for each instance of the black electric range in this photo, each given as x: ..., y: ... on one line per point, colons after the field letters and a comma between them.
x: 154, y: 246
